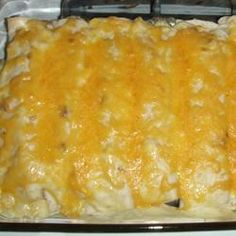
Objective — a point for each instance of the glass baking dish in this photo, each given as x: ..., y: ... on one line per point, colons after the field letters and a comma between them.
x: 54, y: 9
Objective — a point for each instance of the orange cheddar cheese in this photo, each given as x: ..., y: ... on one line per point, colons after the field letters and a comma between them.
x: 113, y: 115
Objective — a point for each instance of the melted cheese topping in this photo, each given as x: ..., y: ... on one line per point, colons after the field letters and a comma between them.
x: 112, y: 114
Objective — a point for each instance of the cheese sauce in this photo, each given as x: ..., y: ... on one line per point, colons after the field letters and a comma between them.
x: 116, y: 114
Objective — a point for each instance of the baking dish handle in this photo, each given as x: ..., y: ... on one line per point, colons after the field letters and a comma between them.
x: 102, y: 8
x: 207, y: 10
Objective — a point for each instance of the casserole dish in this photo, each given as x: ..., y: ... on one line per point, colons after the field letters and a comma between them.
x: 143, y: 136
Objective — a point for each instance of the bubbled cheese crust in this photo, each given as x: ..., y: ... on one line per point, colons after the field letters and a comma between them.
x: 113, y: 114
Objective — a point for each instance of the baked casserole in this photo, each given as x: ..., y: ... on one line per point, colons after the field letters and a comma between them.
x: 113, y: 115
